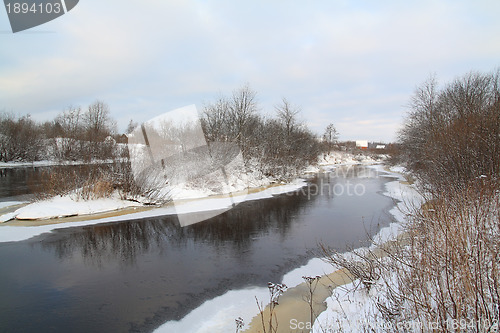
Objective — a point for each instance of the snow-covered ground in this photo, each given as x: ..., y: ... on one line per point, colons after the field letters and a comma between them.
x: 344, y: 158
x: 17, y: 233
x: 70, y: 206
x: 47, y: 163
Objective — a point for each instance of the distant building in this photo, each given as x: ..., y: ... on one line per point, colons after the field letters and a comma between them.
x: 380, y: 147
x: 362, y: 144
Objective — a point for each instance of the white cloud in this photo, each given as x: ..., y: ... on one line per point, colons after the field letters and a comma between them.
x: 335, y: 59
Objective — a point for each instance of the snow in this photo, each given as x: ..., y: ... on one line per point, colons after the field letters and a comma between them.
x: 7, y: 217
x: 16, y: 233
x: 398, y: 168
x: 315, y: 267
x: 347, y: 311
x: 312, y: 169
x: 218, y: 314
x: 47, y: 163
x: 68, y: 206
x: 6, y: 204
x: 343, y: 158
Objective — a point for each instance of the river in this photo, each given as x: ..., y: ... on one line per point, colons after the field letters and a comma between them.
x: 135, y: 275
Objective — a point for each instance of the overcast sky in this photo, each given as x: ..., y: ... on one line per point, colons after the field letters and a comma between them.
x: 352, y: 63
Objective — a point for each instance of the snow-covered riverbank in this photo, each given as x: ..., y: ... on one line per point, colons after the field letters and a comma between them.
x: 49, y: 163
x: 239, y: 186
x: 17, y: 233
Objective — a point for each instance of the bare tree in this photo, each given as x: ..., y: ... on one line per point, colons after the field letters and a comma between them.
x: 242, y: 111
x: 453, y: 133
x: 215, y: 120
x: 69, y: 133
x: 98, y: 122
x: 330, y: 136
x: 132, y: 125
x: 287, y: 114
x: 20, y: 139
x: 280, y: 146
x: 98, y: 127
x: 70, y: 123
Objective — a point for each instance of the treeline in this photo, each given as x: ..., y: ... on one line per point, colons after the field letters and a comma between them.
x: 75, y: 134
x: 452, y: 135
x: 279, y: 146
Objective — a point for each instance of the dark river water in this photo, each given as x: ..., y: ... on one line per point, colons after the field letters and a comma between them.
x: 136, y: 275
x: 16, y: 183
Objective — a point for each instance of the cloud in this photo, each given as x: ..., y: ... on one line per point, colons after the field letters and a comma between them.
x: 333, y: 58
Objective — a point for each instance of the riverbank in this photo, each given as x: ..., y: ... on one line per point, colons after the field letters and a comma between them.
x: 62, y: 209
x: 16, y: 230
x: 49, y: 163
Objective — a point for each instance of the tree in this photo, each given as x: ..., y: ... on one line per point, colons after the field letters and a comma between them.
x: 69, y: 131
x: 70, y: 123
x: 242, y: 112
x: 287, y: 114
x: 215, y: 120
x: 330, y: 136
x: 132, y: 125
x: 20, y: 139
x: 98, y: 123
x: 280, y: 147
x: 98, y: 127
x: 452, y: 135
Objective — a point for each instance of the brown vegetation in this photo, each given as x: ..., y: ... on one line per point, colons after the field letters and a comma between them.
x: 445, y: 276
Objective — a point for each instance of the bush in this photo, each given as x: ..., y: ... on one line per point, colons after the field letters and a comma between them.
x: 85, y: 182
x: 20, y: 139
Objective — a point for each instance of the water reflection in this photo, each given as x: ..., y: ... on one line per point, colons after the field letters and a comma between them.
x: 135, y: 275
x: 126, y: 241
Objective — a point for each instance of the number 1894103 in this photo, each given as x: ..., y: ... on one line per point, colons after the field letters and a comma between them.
x: 40, y: 8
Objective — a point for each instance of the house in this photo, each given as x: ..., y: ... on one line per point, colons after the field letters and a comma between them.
x: 362, y: 144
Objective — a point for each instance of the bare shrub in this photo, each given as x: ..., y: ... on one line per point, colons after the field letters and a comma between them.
x: 312, y: 284
x: 85, y: 182
x: 454, y: 253
x: 443, y: 276
x: 269, y: 321
x: 362, y: 265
